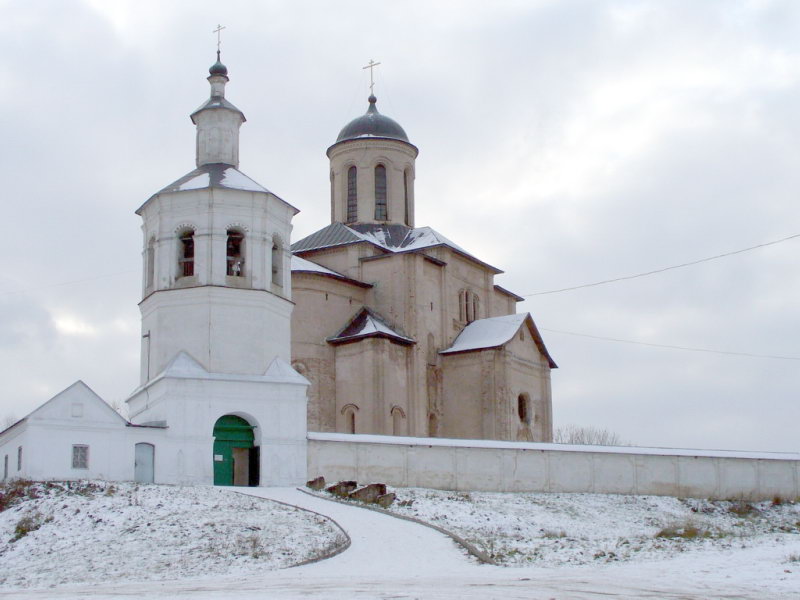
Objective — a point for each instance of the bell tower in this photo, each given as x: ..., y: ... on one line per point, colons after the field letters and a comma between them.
x: 216, y: 257
x: 216, y: 311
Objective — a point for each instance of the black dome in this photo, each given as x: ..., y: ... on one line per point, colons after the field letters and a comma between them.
x: 218, y: 68
x: 372, y: 124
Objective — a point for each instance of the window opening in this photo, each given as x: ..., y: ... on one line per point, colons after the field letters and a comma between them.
x: 235, y: 253
x: 80, y: 456
x: 351, y: 421
x: 380, y: 193
x: 397, y: 421
x: 19, y: 458
x: 186, y: 260
x: 352, y: 194
x: 5, y: 467
x: 405, y: 195
x: 277, y: 263
x: 523, y: 408
x: 151, y: 263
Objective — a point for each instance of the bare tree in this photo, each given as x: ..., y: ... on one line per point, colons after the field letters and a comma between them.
x: 119, y: 406
x: 593, y: 436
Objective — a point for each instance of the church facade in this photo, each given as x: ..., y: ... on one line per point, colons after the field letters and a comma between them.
x: 399, y: 330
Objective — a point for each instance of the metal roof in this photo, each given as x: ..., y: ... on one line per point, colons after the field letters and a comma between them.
x: 366, y: 324
x: 372, y: 124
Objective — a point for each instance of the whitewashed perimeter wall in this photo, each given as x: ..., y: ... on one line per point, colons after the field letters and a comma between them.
x: 478, y: 465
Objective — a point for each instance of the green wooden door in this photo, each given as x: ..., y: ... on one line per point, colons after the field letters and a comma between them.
x: 230, y: 432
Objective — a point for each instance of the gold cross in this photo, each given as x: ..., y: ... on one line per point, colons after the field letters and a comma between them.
x: 218, y: 31
x: 372, y: 64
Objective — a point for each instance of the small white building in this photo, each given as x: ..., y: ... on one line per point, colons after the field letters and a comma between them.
x: 218, y: 400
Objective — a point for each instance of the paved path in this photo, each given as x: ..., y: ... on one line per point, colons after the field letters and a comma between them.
x: 393, y: 559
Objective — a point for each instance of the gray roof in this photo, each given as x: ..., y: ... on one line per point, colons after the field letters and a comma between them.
x: 216, y: 175
x: 372, y: 124
x: 393, y: 238
x: 217, y: 102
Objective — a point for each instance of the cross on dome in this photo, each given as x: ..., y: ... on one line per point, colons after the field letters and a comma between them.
x: 371, y: 66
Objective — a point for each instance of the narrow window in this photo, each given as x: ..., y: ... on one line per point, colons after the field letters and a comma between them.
x: 5, y: 467
x: 380, y: 193
x: 523, y: 408
x: 277, y: 262
x: 406, y: 175
x: 462, y: 305
x: 235, y: 253
x: 352, y: 195
x: 151, y: 263
x: 476, y: 303
x: 80, y: 456
x: 186, y: 260
x: 19, y: 458
x: 350, y: 421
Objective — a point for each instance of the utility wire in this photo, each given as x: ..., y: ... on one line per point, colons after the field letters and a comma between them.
x: 662, y: 270
x: 690, y: 349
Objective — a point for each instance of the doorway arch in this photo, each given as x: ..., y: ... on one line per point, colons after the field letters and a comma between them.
x: 236, y: 457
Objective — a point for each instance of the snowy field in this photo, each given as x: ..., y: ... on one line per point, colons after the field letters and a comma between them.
x: 580, y: 529
x: 83, y: 532
x: 119, y: 541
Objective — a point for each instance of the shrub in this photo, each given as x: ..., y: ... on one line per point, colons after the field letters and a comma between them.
x: 27, y: 524
x: 686, y: 531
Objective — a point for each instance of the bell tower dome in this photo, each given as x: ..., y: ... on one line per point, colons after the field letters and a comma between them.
x: 372, y: 171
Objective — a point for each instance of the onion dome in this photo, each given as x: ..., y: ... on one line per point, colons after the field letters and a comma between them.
x: 372, y: 125
x: 218, y: 68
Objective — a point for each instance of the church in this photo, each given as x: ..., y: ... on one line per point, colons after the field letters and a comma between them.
x: 399, y: 330
x: 370, y: 325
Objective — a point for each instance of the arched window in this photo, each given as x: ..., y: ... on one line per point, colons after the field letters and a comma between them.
x: 235, y: 253
x: 186, y: 254
x: 277, y: 262
x: 468, y: 306
x: 398, y: 421
x: 524, y: 408
x: 352, y: 194
x: 349, y: 413
x: 151, y: 263
x: 380, y: 193
x: 406, y: 199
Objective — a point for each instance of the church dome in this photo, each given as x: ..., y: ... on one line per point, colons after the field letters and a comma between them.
x: 218, y: 68
x: 372, y: 124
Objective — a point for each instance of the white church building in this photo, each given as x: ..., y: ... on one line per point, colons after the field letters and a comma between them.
x: 218, y: 400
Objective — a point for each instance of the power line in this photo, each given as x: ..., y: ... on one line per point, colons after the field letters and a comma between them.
x: 680, y: 266
x: 687, y: 348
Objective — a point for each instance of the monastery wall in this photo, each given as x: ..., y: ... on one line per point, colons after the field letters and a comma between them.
x: 479, y: 465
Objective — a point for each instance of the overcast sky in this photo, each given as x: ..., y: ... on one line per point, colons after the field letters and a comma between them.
x: 564, y: 142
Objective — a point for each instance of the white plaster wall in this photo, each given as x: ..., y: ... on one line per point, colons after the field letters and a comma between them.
x: 191, y: 407
x: 520, y: 467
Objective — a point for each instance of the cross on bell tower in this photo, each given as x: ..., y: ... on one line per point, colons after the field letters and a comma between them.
x: 371, y: 66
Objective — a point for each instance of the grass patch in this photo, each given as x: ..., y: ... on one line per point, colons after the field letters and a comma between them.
x: 684, y: 531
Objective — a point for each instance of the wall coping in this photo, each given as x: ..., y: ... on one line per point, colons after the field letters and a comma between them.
x: 496, y: 444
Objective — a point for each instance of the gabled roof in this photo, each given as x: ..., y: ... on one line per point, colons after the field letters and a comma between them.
x: 366, y: 324
x: 184, y: 366
x: 495, y: 332
x: 79, y: 387
x: 393, y: 238
x: 301, y: 265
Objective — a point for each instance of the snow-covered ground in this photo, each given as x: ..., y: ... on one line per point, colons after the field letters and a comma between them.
x: 579, y: 529
x: 89, y: 532
x: 392, y: 558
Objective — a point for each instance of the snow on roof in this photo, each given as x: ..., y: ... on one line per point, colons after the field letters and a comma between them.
x: 464, y: 443
x: 487, y: 333
x: 368, y: 323
x: 301, y: 264
x: 394, y: 238
x: 215, y: 175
